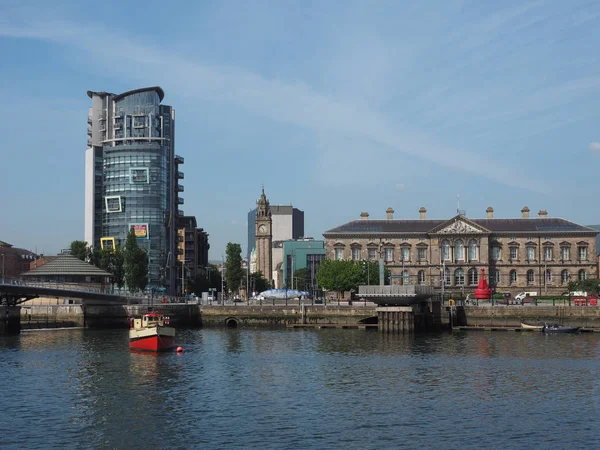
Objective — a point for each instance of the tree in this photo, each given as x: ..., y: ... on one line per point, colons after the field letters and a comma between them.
x: 590, y: 285
x: 301, y: 280
x: 80, y: 250
x: 233, y: 266
x: 206, y: 279
x: 371, y: 273
x: 258, y: 283
x: 339, y: 276
x: 136, y: 264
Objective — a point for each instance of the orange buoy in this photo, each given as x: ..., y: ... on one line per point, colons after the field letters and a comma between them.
x: 179, y: 349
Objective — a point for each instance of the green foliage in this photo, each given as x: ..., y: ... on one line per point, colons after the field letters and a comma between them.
x: 258, y: 283
x: 136, y: 264
x: 371, y: 273
x: 233, y: 267
x: 206, y: 279
x: 80, y: 250
x: 340, y: 276
x: 591, y: 286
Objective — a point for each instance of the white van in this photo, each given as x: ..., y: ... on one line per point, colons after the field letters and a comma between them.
x: 521, y: 296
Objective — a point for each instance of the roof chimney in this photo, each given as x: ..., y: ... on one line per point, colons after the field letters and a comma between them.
x: 423, y: 213
x: 525, y: 212
x: 543, y: 213
x: 490, y: 212
x: 364, y: 215
x: 390, y: 213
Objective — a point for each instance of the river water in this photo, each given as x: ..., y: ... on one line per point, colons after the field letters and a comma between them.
x: 257, y: 388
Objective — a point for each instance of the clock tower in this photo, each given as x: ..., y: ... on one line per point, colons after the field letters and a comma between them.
x: 264, y: 237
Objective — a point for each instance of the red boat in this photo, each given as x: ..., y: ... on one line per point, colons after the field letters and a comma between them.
x: 151, y: 332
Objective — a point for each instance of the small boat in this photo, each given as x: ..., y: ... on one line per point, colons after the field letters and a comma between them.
x: 559, y: 329
x: 151, y: 332
x: 527, y: 326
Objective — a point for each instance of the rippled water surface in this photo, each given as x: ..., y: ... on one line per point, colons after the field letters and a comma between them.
x: 253, y: 388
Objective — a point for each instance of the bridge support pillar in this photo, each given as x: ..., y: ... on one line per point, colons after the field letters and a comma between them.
x: 10, y: 320
x: 396, y: 319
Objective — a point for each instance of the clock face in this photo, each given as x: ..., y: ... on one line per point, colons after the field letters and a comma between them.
x: 262, y: 229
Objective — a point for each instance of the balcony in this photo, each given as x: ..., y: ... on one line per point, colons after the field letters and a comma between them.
x: 180, y: 175
x: 90, y: 119
x: 180, y: 200
x: 180, y: 188
x: 178, y: 159
x: 180, y: 213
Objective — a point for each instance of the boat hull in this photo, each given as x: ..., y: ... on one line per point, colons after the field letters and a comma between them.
x: 560, y: 329
x: 526, y: 326
x: 156, y: 339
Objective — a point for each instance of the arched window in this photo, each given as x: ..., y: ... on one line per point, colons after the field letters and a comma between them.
x: 421, y: 277
x: 445, y: 250
x: 459, y: 250
x: 581, y: 275
x: 405, y: 277
x: 459, y: 277
x: 530, y: 277
x: 564, y: 276
x: 513, y: 277
x: 548, y: 276
x: 473, y: 250
x: 473, y: 278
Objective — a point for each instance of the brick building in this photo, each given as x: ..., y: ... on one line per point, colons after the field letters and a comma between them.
x: 534, y: 254
x: 14, y: 261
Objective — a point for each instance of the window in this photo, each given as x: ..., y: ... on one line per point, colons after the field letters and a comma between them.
x: 530, y: 253
x: 548, y: 276
x: 405, y: 253
x: 496, y: 277
x: 513, y: 277
x: 582, y: 253
x: 372, y: 256
x: 473, y: 278
x: 422, y: 254
x: 459, y: 250
x: 339, y: 253
x: 581, y: 275
x: 445, y: 250
x: 548, y: 253
x: 447, y: 277
x: 355, y: 253
x: 530, y: 277
x: 405, y: 277
x: 459, y: 277
x: 389, y: 254
x: 495, y: 253
x: 564, y: 276
x: 473, y: 250
x: 514, y: 253
x: 564, y: 253
x: 421, y: 276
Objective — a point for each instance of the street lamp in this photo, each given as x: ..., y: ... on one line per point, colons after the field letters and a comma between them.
x: 2, y: 268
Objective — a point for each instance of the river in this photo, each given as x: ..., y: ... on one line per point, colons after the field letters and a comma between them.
x: 263, y: 388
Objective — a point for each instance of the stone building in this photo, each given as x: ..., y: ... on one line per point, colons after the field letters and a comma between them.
x: 539, y: 254
x: 264, y: 237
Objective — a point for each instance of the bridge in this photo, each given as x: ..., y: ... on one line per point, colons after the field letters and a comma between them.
x: 15, y: 292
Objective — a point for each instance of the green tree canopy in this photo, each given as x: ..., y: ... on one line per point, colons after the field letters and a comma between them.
x: 80, y: 250
x: 136, y: 264
x: 206, y: 279
x: 371, y: 273
x: 301, y: 280
x: 339, y: 276
x: 591, y: 286
x: 233, y: 267
x: 258, y: 283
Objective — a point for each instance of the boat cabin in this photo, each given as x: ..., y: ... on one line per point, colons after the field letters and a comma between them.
x: 149, y: 320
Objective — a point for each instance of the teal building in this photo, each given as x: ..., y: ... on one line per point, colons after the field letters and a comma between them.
x: 302, y: 254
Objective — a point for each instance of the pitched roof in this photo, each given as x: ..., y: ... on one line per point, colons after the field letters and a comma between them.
x: 66, y: 265
x: 545, y: 225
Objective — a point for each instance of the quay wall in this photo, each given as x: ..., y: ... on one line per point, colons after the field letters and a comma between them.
x: 512, y: 316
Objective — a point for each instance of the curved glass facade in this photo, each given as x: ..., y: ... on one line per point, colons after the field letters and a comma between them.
x: 138, y: 173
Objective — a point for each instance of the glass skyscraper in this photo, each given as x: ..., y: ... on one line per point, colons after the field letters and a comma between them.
x: 132, y: 177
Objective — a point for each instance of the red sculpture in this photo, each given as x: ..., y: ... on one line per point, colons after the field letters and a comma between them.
x: 483, y: 291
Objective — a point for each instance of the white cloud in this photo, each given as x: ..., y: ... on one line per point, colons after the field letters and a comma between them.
x: 289, y: 102
x: 594, y: 146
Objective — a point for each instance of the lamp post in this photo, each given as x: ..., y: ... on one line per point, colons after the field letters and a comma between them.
x: 222, y: 278
x: 2, y: 268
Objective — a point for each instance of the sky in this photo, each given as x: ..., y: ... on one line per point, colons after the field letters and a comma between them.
x: 336, y: 107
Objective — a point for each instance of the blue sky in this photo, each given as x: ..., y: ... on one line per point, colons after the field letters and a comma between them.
x: 337, y: 107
